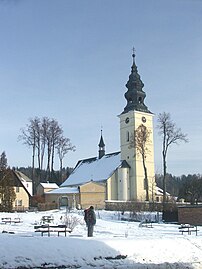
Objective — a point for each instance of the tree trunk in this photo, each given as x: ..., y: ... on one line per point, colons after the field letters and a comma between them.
x: 52, y: 157
x: 33, y: 170
x: 164, y: 180
x: 146, y: 179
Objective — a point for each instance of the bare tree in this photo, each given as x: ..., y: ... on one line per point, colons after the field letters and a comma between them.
x: 170, y: 135
x: 36, y: 127
x: 44, y: 136
x: 28, y: 136
x: 63, y: 147
x: 45, y: 122
x: 139, y: 141
x: 56, y: 133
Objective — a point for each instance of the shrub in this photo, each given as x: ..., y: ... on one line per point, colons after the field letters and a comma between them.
x: 71, y: 221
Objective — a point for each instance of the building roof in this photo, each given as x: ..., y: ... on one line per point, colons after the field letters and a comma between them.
x: 24, y: 180
x: 135, y: 95
x: 159, y: 191
x: 49, y: 185
x: 63, y: 190
x: 22, y: 176
x: 94, y: 169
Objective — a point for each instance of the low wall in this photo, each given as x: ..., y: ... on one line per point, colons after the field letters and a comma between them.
x: 132, y: 206
x: 191, y: 214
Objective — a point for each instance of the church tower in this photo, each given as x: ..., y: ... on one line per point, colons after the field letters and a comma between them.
x: 136, y: 113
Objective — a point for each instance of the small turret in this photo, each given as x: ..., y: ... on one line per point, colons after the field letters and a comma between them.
x: 101, y: 147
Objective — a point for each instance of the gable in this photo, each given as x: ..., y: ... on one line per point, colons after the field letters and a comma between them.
x: 92, y: 187
x: 15, y: 180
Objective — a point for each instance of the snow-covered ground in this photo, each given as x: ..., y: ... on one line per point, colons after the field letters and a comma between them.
x: 116, y: 244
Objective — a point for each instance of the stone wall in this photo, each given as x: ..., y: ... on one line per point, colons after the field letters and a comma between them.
x: 132, y: 206
x: 190, y: 214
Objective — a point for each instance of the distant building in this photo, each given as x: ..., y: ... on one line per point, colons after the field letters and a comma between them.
x: 159, y: 195
x: 23, y: 189
x: 45, y: 187
x: 119, y: 175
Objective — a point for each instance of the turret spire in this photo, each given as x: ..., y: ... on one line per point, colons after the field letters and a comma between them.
x: 101, y: 147
x: 135, y: 95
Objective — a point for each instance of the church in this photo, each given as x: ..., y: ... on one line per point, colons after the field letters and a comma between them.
x: 125, y: 175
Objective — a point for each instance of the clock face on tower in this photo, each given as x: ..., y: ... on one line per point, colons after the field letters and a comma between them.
x: 144, y: 119
x: 127, y: 120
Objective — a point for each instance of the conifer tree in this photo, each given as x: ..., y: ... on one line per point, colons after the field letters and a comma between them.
x: 3, y: 161
x: 7, y: 192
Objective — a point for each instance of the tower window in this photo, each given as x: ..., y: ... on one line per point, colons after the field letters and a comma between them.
x: 127, y: 136
x: 140, y: 99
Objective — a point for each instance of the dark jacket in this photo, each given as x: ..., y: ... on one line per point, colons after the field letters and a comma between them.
x: 89, y: 216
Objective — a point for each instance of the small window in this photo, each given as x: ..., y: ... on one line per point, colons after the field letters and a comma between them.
x: 17, y: 189
x: 140, y: 100
x: 127, y: 136
x: 18, y: 203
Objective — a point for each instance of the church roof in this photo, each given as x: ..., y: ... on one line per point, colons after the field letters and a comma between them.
x: 94, y: 169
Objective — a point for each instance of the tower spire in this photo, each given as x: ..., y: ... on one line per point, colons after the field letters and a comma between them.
x: 101, y: 146
x: 135, y: 95
x: 133, y: 55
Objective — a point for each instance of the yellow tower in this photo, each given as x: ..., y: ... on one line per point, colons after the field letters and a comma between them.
x: 140, y: 186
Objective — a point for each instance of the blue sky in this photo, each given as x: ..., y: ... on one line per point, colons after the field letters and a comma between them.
x: 70, y: 60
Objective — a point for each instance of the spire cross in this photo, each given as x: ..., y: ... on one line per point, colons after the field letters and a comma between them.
x: 133, y: 55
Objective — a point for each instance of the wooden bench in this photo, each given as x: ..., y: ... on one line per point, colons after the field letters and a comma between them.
x: 6, y: 220
x: 9, y: 220
x: 188, y: 228
x: 47, y: 219
x: 52, y: 229
x: 147, y: 224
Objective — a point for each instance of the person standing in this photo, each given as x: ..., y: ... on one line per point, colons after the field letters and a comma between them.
x: 90, y: 219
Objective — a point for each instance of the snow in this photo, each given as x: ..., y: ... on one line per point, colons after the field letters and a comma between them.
x: 116, y: 244
x: 49, y: 185
x: 64, y: 190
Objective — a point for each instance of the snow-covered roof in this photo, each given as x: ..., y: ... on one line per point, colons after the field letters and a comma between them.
x: 22, y: 176
x: 64, y: 190
x: 25, y: 180
x: 93, y: 169
x: 159, y: 191
x: 48, y: 185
